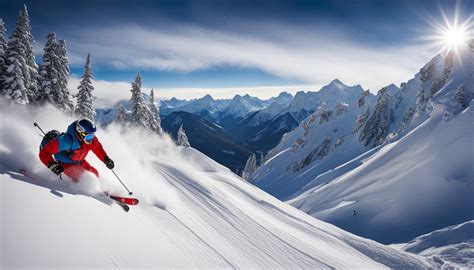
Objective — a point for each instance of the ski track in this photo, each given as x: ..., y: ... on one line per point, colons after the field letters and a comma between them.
x: 185, y: 189
x: 193, y: 213
x: 202, y: 240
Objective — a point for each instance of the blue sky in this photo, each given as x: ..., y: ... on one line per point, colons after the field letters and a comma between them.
x: 212, y: 45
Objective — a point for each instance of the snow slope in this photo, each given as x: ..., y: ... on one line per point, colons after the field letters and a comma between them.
x: 453, y: 245
x: 193, y: 213
x: 406, y: 171
x: 409, y: 187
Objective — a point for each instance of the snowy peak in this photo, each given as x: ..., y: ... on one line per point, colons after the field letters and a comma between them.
x: 336, y: 84
x: 205, y: 106
x: 336, y: 87
x: 206, y: 99
x: 306, y: 103
x: 284, y: 98
x: 392, y: 89
x: 240, y: 106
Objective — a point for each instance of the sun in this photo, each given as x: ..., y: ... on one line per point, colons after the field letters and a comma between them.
x: 451, y: 34
x: 454, y: 37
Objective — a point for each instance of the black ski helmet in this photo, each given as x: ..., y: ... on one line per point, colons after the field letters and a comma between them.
x: 86, y: 129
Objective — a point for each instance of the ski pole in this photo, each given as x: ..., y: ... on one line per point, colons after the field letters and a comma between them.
x: 129, y: 192
x: 36, y: 125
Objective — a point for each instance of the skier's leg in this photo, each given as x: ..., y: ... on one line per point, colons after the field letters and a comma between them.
x: 88, y: 167
x: 74, y: 171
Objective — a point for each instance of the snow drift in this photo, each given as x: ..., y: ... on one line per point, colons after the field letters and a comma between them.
x: 193, y: 212
x: 452, y: 246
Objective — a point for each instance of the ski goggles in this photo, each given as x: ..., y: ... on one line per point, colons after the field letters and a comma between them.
x: 87, y: 136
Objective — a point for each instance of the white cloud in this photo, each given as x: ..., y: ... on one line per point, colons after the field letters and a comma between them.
x: 107, y: 93
x: 312, y: 57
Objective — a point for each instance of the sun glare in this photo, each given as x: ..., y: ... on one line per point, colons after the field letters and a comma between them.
x: 451, y: 33
x: 455, y: 37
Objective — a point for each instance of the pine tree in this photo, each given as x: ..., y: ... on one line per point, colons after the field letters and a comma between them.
x: 3, y: 49
x: 155, y: 112
x: 54, y: 74
x: 250, y: 167
x: 16, y: 74
x: 48, y: 73
x: 84, y: 97
x: 31, y: 68
x: 138, y: 115
x: 122, y: 115
x: 65, y: 101
x: 19, y: 55
x: 141, y: 114
x: 182, y: 138
x: 459, y: 96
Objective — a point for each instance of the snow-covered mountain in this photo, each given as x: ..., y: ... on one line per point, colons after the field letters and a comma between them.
x: 312, y: 142
x: 206, y: 107
x: 193, y: 212
x: 209, y: 138
x: 306, y: 103
x: 284, y: 98
x: 262, y: 130
x: 403, y: 163
x: 168, y: 106
x: 263, y: 137
x: 238, y: 108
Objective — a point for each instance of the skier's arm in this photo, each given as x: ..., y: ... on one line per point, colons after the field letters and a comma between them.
x: 101, y: 154
x: 98, y: 149
x: 46, y: 154
x: 61, y: 143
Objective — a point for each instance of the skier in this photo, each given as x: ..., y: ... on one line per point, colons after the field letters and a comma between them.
x: 67, y: 152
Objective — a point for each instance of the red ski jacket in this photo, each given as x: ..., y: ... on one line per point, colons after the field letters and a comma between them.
x: 70, y: 153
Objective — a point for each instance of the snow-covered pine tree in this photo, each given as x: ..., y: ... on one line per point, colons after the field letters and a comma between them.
x: 19, y: 54
x: 122, y: 115
x: 63, y: 72
x: 250, y: 167
x: 16, y: 75
x: 141, y: 114
x: 31, y: 68
x: 54, y: 73
x: 3, y: 48
x: 182, y: 139
x: 84, y: 97
x: 459, y: 96
x: 138, y: 114
x: 155, y: 112
x: 49, y: 87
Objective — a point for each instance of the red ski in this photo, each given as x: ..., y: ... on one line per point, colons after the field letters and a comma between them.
x: 129, y: 201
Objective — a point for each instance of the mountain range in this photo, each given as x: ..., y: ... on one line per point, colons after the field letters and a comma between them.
x: 245, y: 124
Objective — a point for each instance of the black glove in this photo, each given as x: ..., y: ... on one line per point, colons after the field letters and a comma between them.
x: 56, y: 168
x: 109, y: 163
